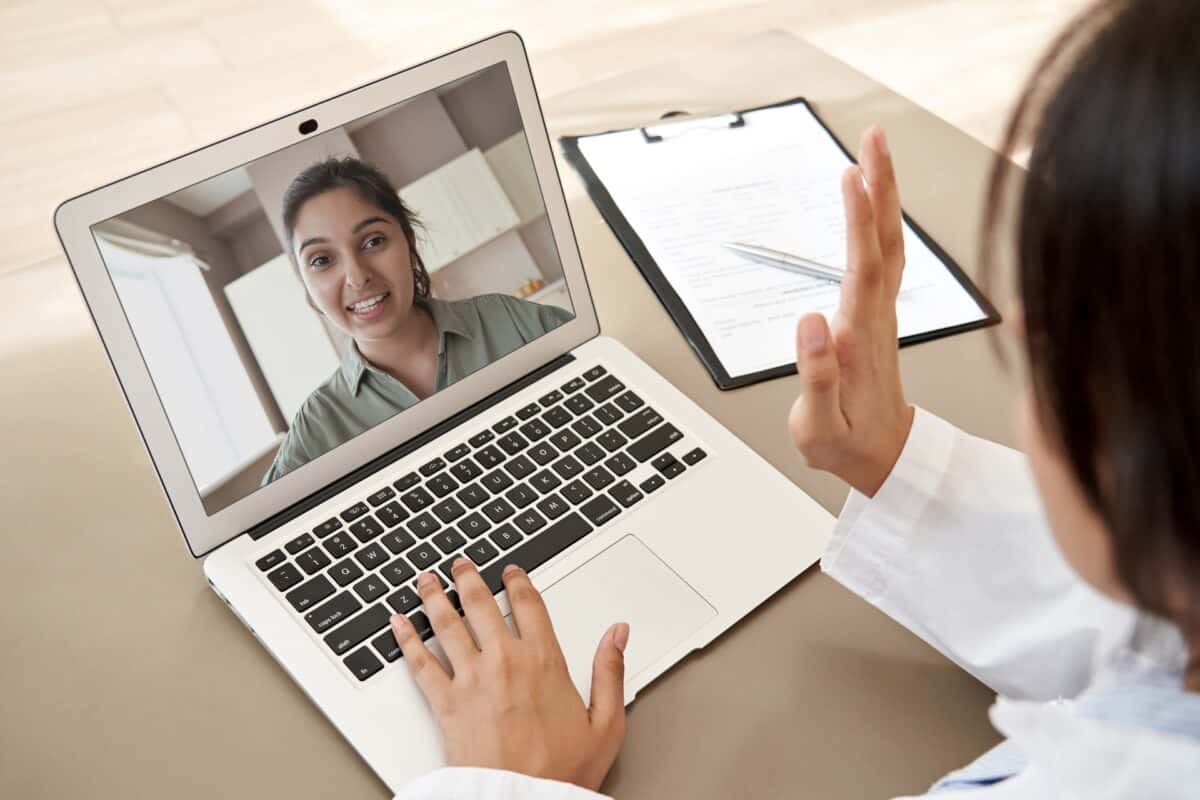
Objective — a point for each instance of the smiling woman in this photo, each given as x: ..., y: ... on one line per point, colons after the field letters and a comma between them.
x: 354, y: 245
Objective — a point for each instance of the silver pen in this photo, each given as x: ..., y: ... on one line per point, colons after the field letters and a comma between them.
x: 787, y: 261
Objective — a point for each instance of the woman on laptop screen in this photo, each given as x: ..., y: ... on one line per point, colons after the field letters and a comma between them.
x: 354, y: 245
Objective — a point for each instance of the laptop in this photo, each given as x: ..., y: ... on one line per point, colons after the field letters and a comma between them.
x: 250, y: 315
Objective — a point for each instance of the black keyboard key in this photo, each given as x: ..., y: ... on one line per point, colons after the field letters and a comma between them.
x: 442, y: 485
x: 362, y: 663
x: 372, y: 556
x: 557, y: 417
x: 407, y: 482
x: 345, y: 571
x: 612, y: 440
x: 545, y: 481
x: 423, y: 525
x: 651, y: 484
x: 590, y: 453
x: 521, y: 496
x: 340, y: 544
x: 553, y: 506
x: 324, y: 617
x: 505, y: 537
x: 640, y: 422
x: 417, y: 499
x: 620, y: 464
x: 654, y: 442
x: 600, y: 510
x: 423, y: 556
x: 299, y: 543
x: 327, y: 527
x: 370, y: 588
x: 519, y: 467
x: 498, y: 510
x: 491, y: 456
x: 404, y: 600
x: 357, y: 629
x: 576, y: 492
x: 550, y: 399
x: 447, y: 568
x: 397, y: 571
x: 586, y: 427
x: 598, y: 478
x: 309, y: 593
x: 668, y: 465
x: 482, y: 552
x: 271, y: 559
x: 594, y: 372
x: 625, y: 493
x: 505, y: 425
x: 472, y: 496
x: 604, y: 388
x: 481, y: 438
x: 366, y: 529
x: 392, y: 514
x: 456, y: 453
x: 285, y: 577
x: 449, y: 540
x: 432, y: 467
x: 534, y: 429
x: 422, y: 625
x: 542, y: 453
x: 567, y: 467
x: 528, y: 411
x: 692, y: 457
x: 629, y: 402
x: 537, y: 551
x: 354, y: 512
x: 529, y: 521
x: 573, y: 385
x: 564, y: 440
x: 382, y: 496
x: 385, y: 645
x: 579, y: 404
x: 449, y: 510
x: 466, y: 470
x: 313, y: 560
x: 473, y: 525
x: 397, y: 542
x: 496, y: 481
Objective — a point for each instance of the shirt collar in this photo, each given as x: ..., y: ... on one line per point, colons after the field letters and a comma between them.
x: 446, y: 318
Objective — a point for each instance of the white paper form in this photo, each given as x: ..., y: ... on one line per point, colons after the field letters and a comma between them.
x: 775, y: 182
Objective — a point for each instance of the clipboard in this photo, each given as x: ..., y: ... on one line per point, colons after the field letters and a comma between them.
x: 675, y: 305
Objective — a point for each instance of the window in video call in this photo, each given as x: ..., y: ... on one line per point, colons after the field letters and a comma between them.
x: 289, y: 305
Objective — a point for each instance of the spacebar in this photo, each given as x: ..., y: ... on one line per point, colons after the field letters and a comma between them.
x: 538, y: 550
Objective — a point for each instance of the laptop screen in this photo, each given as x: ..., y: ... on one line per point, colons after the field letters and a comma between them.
x: 292, y: 304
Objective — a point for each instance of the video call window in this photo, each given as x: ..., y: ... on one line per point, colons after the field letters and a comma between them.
x: 292, y: 304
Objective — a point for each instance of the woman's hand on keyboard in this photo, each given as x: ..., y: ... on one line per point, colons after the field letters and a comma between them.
x: 851, y: 418
x: 508, y: 702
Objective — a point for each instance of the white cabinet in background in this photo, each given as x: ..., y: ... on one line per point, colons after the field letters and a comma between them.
x: 513, y: 165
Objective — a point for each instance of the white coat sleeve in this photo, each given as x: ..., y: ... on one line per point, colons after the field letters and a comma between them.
x: 474, y: 783
x: 955, y: 547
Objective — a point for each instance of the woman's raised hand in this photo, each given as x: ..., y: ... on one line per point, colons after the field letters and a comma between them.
x: 508, y: 702
x: 851, y: 418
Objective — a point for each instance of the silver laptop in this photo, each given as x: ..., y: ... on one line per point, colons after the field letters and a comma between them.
x: 247, y: 311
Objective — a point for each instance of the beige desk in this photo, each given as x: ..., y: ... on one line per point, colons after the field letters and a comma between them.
x: 122, y: 675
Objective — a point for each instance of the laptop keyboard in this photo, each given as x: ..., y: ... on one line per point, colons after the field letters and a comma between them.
x: 519, y: 492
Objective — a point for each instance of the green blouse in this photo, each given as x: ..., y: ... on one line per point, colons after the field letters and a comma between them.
x: 472, y: 333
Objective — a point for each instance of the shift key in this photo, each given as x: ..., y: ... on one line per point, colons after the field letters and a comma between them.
x: 372, y: 620
x: 654, y: 442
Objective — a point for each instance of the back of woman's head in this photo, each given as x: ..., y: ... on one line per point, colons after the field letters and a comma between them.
x: 1108, y: 272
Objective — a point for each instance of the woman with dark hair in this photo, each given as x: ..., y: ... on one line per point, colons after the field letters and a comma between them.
x: 1082, y: 609
x: 354, y: 245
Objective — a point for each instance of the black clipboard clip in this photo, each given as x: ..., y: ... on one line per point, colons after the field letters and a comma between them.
x: 719, y: 122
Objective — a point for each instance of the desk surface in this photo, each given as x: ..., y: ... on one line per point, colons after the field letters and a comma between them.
x: 123, y: 675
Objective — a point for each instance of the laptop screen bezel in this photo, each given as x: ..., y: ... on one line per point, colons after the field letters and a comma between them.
x: 74, y: 219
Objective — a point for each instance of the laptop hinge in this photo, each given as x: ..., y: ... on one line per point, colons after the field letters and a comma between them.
x: 395, y: 454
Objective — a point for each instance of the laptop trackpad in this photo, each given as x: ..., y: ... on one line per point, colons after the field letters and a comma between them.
x: 625, y: 583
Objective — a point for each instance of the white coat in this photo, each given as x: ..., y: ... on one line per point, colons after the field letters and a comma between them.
x: 954, y: 546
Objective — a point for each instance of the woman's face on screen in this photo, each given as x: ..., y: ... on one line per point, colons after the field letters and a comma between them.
x: 356, y: 263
